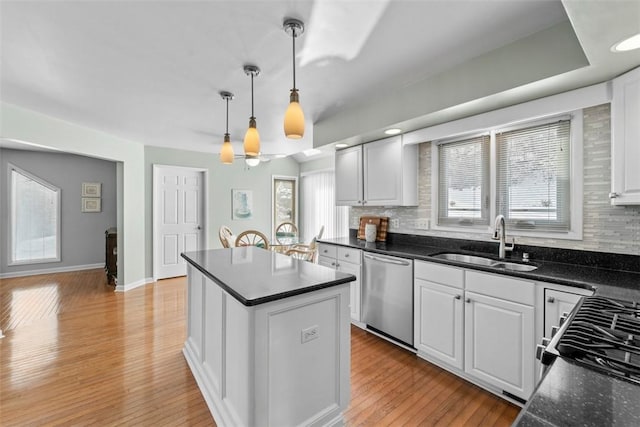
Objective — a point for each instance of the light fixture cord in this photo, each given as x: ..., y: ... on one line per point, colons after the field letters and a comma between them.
x: 252, y: 94
x: 227, y: 115
x: 294, y: 57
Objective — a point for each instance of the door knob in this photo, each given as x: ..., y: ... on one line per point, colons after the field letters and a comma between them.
x: 551, y: 299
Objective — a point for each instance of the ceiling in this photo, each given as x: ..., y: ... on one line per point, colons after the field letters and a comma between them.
x: 150, y: 71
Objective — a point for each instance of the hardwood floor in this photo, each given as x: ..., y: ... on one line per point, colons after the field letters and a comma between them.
x: 76, y: 353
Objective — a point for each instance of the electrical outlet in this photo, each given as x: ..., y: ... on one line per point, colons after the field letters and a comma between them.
x: 394, y: 222
x: 310, y: 333
x: 422, y: 224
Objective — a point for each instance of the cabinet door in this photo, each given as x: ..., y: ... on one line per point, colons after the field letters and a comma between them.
x: 327, y: 262
x: 556, y: 303
x: 351, y: 268
x: 625, y: 139
x: 348, y: 177
x: 499, y: 341
x: 439, y: 322
x: 383, y: 172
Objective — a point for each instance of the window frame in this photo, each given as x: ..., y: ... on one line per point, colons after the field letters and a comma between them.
x: 575, y: 183
x: 10, y: 223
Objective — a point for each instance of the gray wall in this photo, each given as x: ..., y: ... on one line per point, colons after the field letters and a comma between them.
x: 606, y: 228
x: 82, y: 234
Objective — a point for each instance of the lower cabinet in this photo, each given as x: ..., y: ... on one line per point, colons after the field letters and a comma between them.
x: 346, y: 260
x: 555, y: 304
x: 479, y: 324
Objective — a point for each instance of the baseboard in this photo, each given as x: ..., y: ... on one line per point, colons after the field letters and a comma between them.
x: 51, y: 270
x: 128, y: 286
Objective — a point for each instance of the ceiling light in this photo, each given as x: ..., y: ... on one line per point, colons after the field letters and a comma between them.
x: 392, y: 131
x: 341, y: 145
x: 294, y: 116
x: 280, y: 156
x: 630, y: 43
x: 252, y: 160
x: 252, y: 137
x: 226, y: 153
x: 311, y: 152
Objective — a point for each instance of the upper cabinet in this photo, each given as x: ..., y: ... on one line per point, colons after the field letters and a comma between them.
x: 625, y: 139
x: 380, y: 173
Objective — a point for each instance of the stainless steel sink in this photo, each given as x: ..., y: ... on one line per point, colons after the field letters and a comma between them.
x: 487, y: 262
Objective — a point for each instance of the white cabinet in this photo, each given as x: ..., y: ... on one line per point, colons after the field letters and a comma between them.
x: 499, y: 331
x: 556, y: 303
x: 379, y: 173
x: 346, y: 260
x: 479, y: 324
x: 625, y: 139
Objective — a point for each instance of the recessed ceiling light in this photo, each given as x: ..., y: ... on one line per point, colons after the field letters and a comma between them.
x: 393, y: 131
x: 311, y: 152
x: 341, y: 145
x: 280, y: 156
x: 630, y: 43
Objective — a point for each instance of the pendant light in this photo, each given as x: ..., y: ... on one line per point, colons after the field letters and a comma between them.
x: 252, y: 138
x: 226, y: 153
x: 294, y: 116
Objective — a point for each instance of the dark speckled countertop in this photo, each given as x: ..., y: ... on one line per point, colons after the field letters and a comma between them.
x: 569, y: 394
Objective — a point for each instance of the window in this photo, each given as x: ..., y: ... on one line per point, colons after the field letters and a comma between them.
x: 531, y: 173
x: 533, y: 176
x: 319, y: 207
x: 35, y: 219
x: 463, y: 193
x: 285, y: 200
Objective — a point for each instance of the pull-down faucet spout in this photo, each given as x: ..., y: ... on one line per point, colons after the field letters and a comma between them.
x: 500, y: 233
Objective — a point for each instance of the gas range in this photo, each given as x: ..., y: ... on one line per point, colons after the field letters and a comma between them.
x: 601, y: 334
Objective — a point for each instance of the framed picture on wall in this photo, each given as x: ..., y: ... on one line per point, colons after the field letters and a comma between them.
x: 91, y: 204
x: 91, y: 189
x: 241, y: 204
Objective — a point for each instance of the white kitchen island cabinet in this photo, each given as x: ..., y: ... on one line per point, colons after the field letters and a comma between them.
x: 268, y: 337
x: 379, y: 173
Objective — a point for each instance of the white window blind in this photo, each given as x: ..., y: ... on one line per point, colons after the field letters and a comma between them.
x: 463, y: 181
x: 35, y: 211
x: 319, y: 207
x: 533, y: 170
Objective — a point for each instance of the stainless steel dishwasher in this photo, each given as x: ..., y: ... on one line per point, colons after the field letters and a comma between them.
x: 387, y: 296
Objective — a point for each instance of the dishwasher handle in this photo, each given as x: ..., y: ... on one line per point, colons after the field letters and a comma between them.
x: 387, y: 260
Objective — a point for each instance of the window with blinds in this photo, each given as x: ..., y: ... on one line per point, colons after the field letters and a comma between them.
x: 463, y: 182
x: 532, y: 177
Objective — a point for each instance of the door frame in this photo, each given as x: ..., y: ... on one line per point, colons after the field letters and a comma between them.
x: 157, y: 168
x: 296, y: 216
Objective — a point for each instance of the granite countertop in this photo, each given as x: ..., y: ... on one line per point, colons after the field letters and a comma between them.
x: 255, y: 276
x: 612, y: 283
x: 569, y: 394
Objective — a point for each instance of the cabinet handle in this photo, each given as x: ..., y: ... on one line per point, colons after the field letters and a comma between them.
x: 337, y: 264
x: 551, y: 300
x: 346, y: 255
x: 467, y: 300
x: 333, y: 264
x: 613, y: 195
x: 457, y: 297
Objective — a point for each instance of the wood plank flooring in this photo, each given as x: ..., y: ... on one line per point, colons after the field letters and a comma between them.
x: 76, y: 353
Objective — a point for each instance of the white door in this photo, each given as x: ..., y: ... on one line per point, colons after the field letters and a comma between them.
x: 179, y: 218
x: 348, y: 176
x: 383, y: 172
x: 499, y: 343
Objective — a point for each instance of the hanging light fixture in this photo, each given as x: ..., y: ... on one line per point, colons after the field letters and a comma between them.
x: 252, y: 161
x: 226, y: 153
x: 294, y: 116
x: 252, y: 138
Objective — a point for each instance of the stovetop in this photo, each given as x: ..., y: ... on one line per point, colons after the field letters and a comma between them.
x: 604, y: 334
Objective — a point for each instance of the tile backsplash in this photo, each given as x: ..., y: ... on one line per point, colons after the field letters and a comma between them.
x: 606, y: 228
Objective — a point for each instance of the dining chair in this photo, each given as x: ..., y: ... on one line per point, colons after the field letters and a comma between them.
x: 286, y: 230
x: 252, y: 238
x: 311, y: 247
x: 319, y: 235
x: 302, y: 254
x: 225, y: 233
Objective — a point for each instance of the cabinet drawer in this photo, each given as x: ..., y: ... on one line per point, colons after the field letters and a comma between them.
x: 348, y: 255
x: 438, y: 273
x: 503, y: 287
x: 327, y: 250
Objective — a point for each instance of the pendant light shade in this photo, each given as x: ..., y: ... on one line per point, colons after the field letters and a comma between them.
x: 226, y: 153
x: 294, y: 116
x: 252, y: 137
x: 252, y: 161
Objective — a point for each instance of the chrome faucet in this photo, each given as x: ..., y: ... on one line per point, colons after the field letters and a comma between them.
x: 500, y: 233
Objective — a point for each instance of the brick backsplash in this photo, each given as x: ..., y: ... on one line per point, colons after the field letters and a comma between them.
x: 606, y: 228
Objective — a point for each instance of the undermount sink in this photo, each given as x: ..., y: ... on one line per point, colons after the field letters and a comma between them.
x: 488, y: 262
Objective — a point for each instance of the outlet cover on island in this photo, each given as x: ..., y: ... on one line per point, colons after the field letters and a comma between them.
x: 394, y: 222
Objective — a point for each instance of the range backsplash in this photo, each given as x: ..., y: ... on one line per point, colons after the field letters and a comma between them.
x: 606, y: 228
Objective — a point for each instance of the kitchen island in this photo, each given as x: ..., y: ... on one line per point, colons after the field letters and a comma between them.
x: 268, y: 337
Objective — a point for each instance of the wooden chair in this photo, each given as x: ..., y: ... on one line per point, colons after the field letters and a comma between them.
x: 286, y: 230
x: 224, y: 233
x: 320, y: 233
x: 303, y: 254
x: 312, y: 248
x: 252, y: 238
